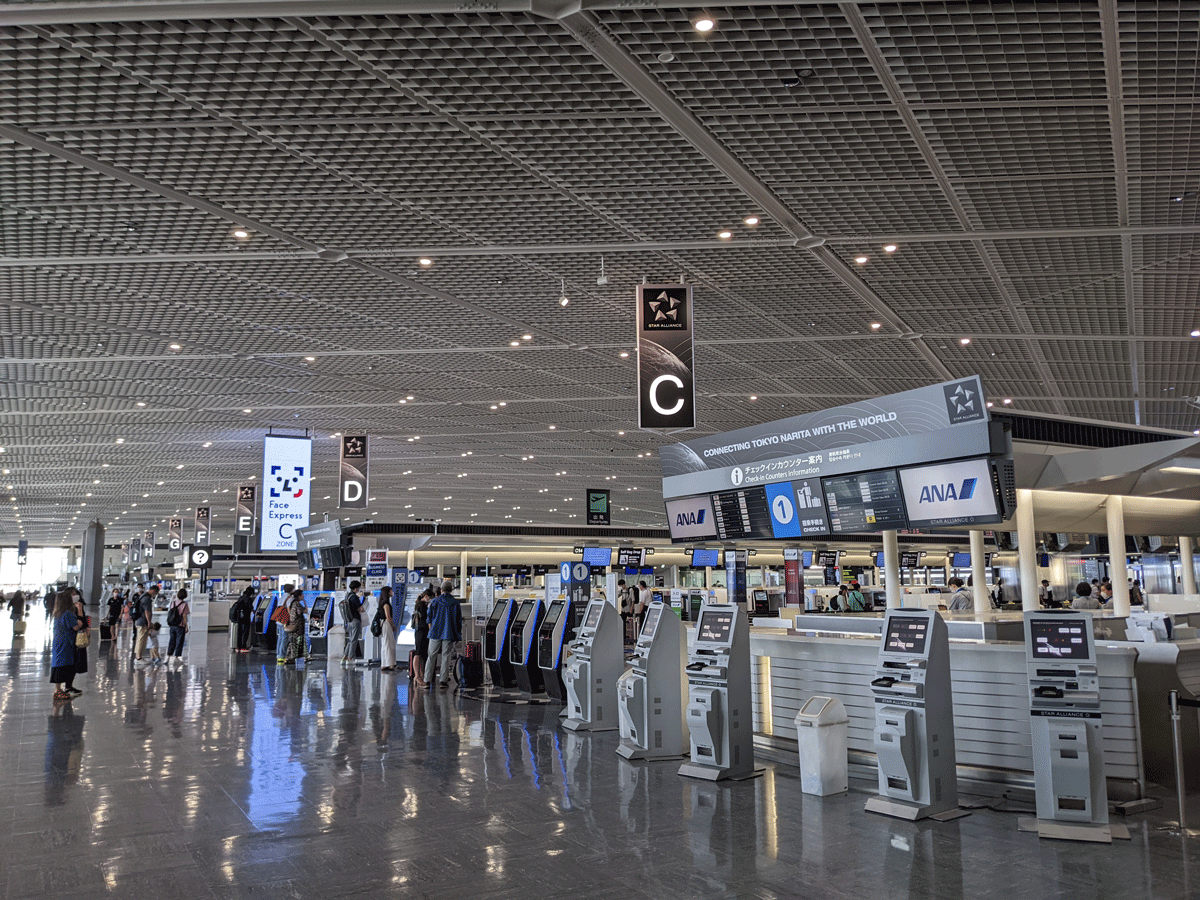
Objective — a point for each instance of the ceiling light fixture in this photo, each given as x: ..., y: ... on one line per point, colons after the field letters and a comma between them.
x: 514, y: 343
x: 751, y: 221
x: 964, y: 341
x: 875, y: 326
x: 240, y: 234
x: 175, y: 346
x: 527, y: 337
x: 425, y: 261
x: 704, y: 24
x: 564, y: 299
x: 725, y: 235
x: 1008, y: 401
x: 624, y: 354
x: 310, y: 359
x: 889, y: 248
x: 1196, y: 332
x: 861, y: 259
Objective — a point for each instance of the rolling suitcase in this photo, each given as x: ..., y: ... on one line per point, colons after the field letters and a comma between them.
x: 19, y: 628
x: 468, y: 668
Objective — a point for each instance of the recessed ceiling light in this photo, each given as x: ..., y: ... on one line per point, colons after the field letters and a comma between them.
x: 514, y: 343
x: 141, y: 403
x: 175, y: 346
x: 120, y: 440
x: 964, y: 341
x: 161, y: 482
x: 875, y: 326
x: 494, y: 406
x: 247, y: 410
x: 704, y: 24
x: 751, y: 220
x: 990, y: 404
x: 889, y: 248
x: 1007, y: 401
x: 621, y: 432
x: 527, y: 337
x: 754, y: 396
x: 553, y: 427
x: 724, y: 235
x: 1196, y: 332
x: 179, y: 467
x: 425, y: 261
x: 502, y: 403
x: 240, y: 234
x: 624, y: 354
x: 310, y: 359
x: 861, y: 259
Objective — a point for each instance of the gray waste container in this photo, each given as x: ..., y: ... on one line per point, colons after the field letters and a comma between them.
x: 821, y: 736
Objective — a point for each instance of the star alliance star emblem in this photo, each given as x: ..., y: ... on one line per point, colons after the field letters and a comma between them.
x: 665, y: 308
x: 962, y: 399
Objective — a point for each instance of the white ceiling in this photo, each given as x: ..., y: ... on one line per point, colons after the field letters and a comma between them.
x: 1025, y: 158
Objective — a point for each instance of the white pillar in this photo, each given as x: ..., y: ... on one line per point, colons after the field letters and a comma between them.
x: 1114, y: 509
x: 1186, y: 564
x: 983, y: 605
x: 462, y: 572
x: 893, y: 590
x: 410, y: 561
x: 1027, y: 549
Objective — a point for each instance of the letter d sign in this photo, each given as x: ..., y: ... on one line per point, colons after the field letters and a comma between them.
x: 352, y: 492
x: 354, y: 472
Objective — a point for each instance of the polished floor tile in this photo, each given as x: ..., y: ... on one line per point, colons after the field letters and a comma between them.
x: 232, y: 777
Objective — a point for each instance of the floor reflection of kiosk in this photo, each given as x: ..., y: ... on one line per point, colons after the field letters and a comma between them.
x: 651, y: 696
x: 914, y: 718
x: 719, y: 712
x: 522, y: 638
x: 1064, y: 707
x: 554, y: 632
x: 319, y: 617
x: 596, y: 661
x: 495, y: 643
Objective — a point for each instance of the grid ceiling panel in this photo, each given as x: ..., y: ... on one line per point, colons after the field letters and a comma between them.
x: 359, y: 223
x: 1169, y: 200
x: 997, y: 142
x: 837, y: 209
x: 994, y: 51
x: 1063, y: 203
x: 1158, y: 50
x: 1169, y: 302
x: 1161, y: 138
x: 744, y: 61
x: 1059, y: 256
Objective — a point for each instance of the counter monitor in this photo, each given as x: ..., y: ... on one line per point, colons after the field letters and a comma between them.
x: 597, y: 556
x: 806, y: 559
x: 704, y: 557
x: 1055, y: 639
x: 961, y: 560
x: 715, y: 626
x: 910, y: 560
x: 593, y: 615
x: 907, y: 635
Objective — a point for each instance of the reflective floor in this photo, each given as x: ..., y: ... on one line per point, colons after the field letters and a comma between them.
x: 233, y: 777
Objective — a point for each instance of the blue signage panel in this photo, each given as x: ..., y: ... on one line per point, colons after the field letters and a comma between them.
x: 781, y: 499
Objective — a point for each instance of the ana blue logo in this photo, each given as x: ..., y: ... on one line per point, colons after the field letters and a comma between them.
x: 695, y: 517
x: 940, y: 493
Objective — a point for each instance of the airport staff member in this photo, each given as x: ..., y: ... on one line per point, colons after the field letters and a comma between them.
x: 961, y: 599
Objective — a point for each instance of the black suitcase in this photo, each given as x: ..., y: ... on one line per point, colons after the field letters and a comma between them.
x: 468, y: 672
x: 105, y: 631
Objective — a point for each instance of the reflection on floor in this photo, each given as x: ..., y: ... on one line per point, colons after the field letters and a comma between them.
x: 233, y: 777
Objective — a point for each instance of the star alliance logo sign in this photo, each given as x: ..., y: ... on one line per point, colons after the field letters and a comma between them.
x: 246, y: 494
x: 665, y: 310
x: 964, y: 403
x: 354, y: 448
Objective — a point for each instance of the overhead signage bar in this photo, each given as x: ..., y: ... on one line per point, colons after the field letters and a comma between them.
x: 942, y: 421
x: 323, y: 534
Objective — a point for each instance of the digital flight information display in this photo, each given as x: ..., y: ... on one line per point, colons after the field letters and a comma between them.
x: 715, y: 626
x: 906, y: 634
x: 867, y: 502
x: 742, y: 514
x: 1055, y: 639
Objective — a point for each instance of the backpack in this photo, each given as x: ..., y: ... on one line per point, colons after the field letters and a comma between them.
x: 174, y: 616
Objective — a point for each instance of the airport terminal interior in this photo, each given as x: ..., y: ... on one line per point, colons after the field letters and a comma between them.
x: 865, y: 334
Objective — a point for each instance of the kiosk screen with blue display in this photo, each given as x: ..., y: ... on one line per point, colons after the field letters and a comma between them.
x: 597, y: 556
x: 704, y: 557
x: 715, y: 626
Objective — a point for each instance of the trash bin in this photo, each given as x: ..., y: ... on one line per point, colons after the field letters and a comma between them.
x: 821, y: 736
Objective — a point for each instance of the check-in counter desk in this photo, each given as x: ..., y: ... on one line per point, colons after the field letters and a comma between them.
x: 1161, y: 668
x: 993, y: 740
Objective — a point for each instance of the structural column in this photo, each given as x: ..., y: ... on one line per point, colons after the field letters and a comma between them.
x: 464, y: 581
x: 1114, y: 509
x: 894, y: 591
x: 91, y: 566
x: 1027, y: 549
x: 978, y: 567
x: 1186, y: 564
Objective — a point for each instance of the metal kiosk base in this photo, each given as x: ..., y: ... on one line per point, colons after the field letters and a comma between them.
x: 712, y: 773
x: 900, y: 809
x: 581, y: 725
x: 1074, y: 831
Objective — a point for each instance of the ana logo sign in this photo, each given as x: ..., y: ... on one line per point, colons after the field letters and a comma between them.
x: 692, y: 517
x: 940, y: 493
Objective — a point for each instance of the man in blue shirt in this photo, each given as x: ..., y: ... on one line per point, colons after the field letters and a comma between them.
x: 445, y: 630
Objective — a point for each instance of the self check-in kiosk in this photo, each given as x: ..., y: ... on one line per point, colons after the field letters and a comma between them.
x: 264, y: 605
x: 719, y: 713
x: 651, y: 696
x: 495, y: 643
x: 596, y: 661
x: 914, y: 718
x: 522, y: 640
x: 553, y: 634
x: 318, y: 625
x: 1064, y: 708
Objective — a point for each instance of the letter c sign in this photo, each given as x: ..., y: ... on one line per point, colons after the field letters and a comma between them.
x: 658, y: 407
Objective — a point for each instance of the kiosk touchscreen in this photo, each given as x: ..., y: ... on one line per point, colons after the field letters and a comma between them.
x: 1065, y: 719
x: 522, y: 638
x: 318, y: 625
x: 495, y: 643
x: 552, y: 635
x: 651, y: 696
x: 596, y: 661
x: 914, y: 718
x: 719, y: 712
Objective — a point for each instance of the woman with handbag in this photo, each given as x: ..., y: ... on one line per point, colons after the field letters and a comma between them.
x: 83, y: 636
x: 62, y: 654
x: 420, y: 624
x: 387, y: 630
x: 294, y: 629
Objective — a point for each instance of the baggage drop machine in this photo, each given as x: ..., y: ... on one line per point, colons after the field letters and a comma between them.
x: 651, y: 696
x: 522, y: 646
x: 319, y: 617
x: 719, y: 712
x: 553, y: 634
x: 590, y: 676
x: 495, y: 643
x: 1064, y: 708
x: 914, y: 718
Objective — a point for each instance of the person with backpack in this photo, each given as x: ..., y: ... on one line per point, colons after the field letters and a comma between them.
x: 625, y: 606
x: 351, y: 609
x: 145, y: 613
x: 445, y: 630
x: 855, y: 599
x: 241, y: 614
x: 177, y: 621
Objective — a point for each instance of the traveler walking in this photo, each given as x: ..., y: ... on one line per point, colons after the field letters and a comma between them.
x: 143, y: 617
x: 62, y: 653
x: 420, y: 623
